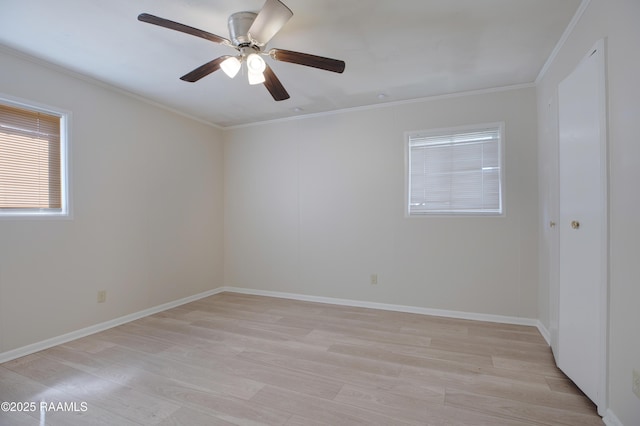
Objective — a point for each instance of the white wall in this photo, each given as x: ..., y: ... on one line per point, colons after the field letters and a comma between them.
x: 147, y: 222
x: 314, y: 206
x: 617, y: 20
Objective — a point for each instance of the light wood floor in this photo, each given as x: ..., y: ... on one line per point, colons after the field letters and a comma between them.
x: 234, y: 359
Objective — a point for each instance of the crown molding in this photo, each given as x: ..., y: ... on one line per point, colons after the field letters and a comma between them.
x: 386, y: 105
x: 565, y: 35
x: 100, y: 83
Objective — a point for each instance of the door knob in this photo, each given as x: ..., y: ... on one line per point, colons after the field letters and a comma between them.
x: 575, y: 224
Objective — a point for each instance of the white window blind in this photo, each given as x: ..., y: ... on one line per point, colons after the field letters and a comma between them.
x: 455, y: 173
x: 30, y: 161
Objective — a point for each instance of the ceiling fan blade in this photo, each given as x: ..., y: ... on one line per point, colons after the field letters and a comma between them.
x: 155, y: 20
x: 274, y: 86
x: 204, y: 70
x: 314, y: 61
x: 270, y: 20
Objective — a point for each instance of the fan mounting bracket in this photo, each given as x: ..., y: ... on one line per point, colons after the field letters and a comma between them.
x: 239, y: 24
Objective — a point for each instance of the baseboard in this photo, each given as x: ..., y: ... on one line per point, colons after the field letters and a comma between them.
x: 389, y: 307
x: 58, y: 340
x: 610, y: 419
x: 543, y: 330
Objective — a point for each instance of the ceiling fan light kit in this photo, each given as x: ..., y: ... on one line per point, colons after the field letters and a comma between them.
x: 231, y: 66
x: 249, y: 33
x: 255, y: 68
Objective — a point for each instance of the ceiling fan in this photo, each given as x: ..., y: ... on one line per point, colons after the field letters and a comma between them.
x: 249, y: 33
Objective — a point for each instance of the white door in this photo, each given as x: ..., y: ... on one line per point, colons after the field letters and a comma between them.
x: 582, y: 226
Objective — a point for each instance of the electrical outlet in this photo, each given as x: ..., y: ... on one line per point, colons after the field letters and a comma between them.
x: 102, y: 296
x: 636, y: 383
x: 374, y: 279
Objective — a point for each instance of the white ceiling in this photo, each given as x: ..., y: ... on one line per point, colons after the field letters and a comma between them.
x: 403, y: 49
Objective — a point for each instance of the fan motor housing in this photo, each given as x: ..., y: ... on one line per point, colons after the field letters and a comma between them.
x: 239, y: 24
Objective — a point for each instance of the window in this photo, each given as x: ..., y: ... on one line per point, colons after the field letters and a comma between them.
x: 33, y: 178
x: 455, y: 171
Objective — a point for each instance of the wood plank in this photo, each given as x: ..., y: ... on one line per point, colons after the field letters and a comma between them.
x: 516, y: 410
x: 309, y: 384
x: 342, y: 374
x: 327, y: 411
x: 212, y: 380
x: 225, y: 407
x: 564, y: 385
x: 546, y: 369
x: 422, y: 357
x: 79, y: 386
x: 192, y: 417
x: 404, y: 407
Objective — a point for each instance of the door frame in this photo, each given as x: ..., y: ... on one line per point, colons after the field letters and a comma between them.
x: 603, y: 400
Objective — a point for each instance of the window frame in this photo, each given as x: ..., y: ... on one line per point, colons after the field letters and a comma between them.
x: 408, y: 135
x: 65, y: 212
